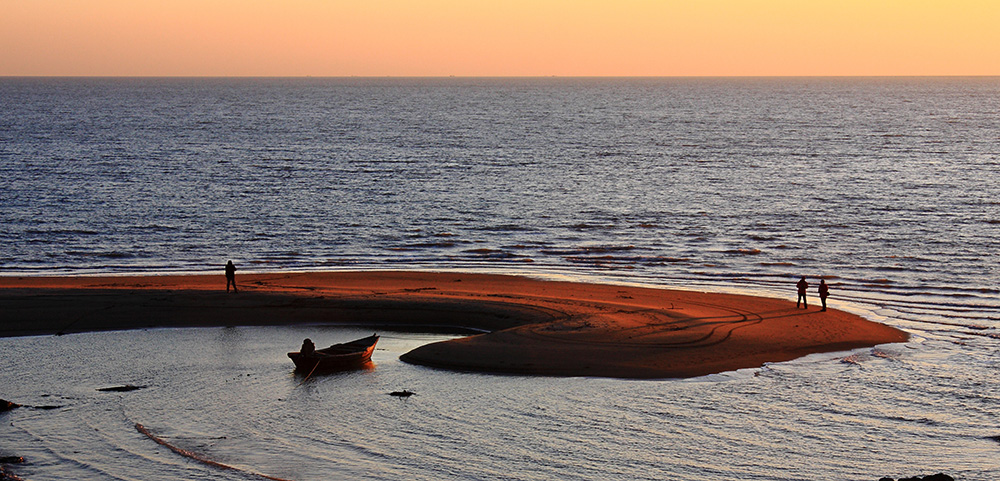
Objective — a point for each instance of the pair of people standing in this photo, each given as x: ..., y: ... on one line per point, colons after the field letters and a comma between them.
x: 802, y: 285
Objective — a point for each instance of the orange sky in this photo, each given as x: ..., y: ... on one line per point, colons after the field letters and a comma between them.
x: 499, y: 37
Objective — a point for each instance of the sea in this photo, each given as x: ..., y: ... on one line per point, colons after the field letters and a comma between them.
x: 887, y: 188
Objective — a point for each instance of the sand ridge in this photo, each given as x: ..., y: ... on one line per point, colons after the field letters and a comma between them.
x: 537, y: 327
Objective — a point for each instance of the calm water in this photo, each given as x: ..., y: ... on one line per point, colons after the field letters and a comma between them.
x: 229, y: 395
x: 887, y: 187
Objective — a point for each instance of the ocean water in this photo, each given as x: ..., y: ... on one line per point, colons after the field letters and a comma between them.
x: 885, y: 187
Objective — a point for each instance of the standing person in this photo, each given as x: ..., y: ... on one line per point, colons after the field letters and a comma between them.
x: 231, y: 276
x: 802, y: 285
x: 824, y: 292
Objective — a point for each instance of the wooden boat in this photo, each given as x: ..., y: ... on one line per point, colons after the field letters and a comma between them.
x: 338, y: 357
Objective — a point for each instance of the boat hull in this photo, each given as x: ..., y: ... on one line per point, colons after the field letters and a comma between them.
x: 338, y: 357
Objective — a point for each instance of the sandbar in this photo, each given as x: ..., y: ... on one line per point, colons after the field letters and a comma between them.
x: 528, y: 326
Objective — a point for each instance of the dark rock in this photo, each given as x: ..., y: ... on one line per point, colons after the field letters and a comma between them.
x: 932, y: 477
x: 7, y: 476
x: 7, y: 405
x: 938, y: 477
x: 11, y: 460
x: 125, y: 388
x: 886, y: 479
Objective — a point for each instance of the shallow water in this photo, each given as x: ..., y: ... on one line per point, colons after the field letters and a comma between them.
x: 229, y: 395
x: 885, y: 187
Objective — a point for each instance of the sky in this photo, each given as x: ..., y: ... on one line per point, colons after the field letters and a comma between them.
x: 499, y: 37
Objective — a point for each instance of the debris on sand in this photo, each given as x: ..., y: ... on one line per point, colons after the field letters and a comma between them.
x: 125, y: 388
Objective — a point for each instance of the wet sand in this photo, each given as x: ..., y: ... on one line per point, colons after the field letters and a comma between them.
x: 536, y: 327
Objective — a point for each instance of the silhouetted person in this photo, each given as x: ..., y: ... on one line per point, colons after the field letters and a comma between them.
x: 231, y: 276
x: 307, y: 347
x: 802, y: 285
x: 824, y: 292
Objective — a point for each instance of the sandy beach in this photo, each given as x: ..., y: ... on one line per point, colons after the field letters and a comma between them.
x: 535, y: 327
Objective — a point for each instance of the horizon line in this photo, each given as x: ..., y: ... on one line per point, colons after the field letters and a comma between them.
x: 500, y: 76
